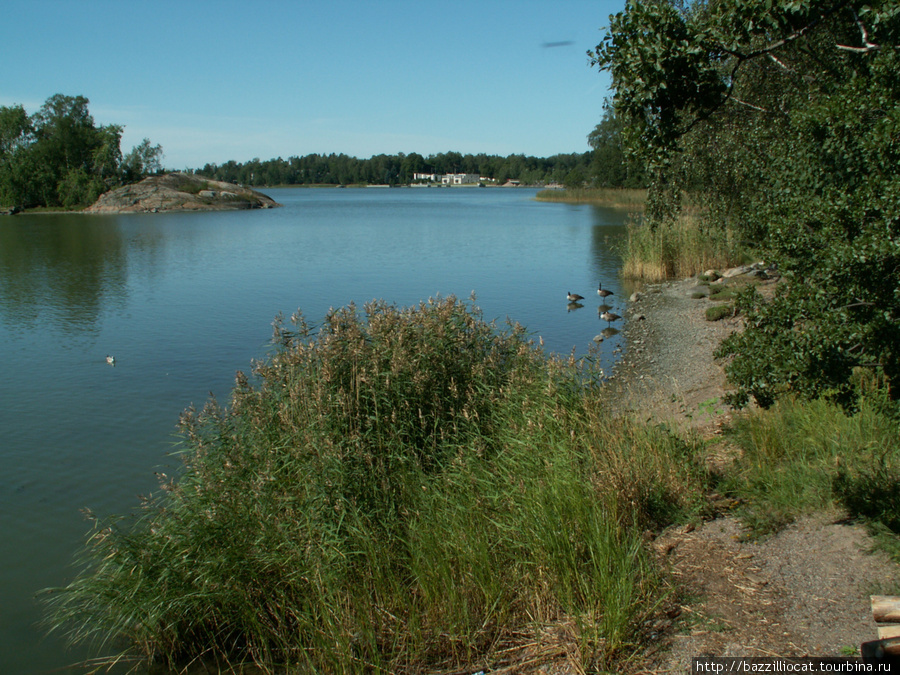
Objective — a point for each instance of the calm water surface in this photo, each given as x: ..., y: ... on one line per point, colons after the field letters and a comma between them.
x: 184, y: 300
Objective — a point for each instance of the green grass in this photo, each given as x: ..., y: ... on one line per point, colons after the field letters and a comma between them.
x: 801, y: 457
x: 718, y: 312
x: 405, y: 488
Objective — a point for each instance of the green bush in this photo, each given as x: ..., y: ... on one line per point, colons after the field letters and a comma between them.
x: 404, y: 487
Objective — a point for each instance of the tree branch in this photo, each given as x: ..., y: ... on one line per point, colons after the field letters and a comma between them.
x: 780, y: 63
x: 749, y: 105
x: 868, y: 46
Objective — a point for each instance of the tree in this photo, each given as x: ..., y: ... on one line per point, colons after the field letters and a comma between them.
x: 143, y: 160
x: 782, y: 117
x: 59, y: 157
x: 611, y: 166
x: 16, y: 134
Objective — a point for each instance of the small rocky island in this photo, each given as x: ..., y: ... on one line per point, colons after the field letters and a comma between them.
x: 180, y: 192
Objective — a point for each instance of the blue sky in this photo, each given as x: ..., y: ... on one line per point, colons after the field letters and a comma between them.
x: 214, y: 81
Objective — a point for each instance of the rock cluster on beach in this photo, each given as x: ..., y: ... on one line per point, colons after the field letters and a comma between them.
x: 180, y: 192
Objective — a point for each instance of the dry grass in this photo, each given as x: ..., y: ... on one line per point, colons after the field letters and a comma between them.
x: 619, y: 198
x: 677, y: 249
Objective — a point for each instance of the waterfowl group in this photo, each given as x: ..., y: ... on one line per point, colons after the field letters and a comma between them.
x: 603, y: 310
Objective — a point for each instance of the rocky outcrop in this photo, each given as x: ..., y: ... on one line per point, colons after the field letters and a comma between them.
x: 180, y: 192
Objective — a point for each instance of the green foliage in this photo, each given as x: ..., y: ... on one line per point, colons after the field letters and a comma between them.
x: 718, y: 312
x: 873, y: 494
x: 401, y: 489
x: 804, y: 456
x: 790, y: 138
x: 58, y: 157
x: 611, y: 167
x: 143, y: 160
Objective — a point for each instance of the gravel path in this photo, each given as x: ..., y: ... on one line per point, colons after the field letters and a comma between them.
x: 668, y: 372
x: 804, y: 591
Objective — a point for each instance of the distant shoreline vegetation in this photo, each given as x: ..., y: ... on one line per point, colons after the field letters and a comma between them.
x: 402, y: 169
x: 618, y: 198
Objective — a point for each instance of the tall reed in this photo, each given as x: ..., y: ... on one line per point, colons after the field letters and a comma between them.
x: 402, y: 488
x: 677, y: 249
x: 620, y: 198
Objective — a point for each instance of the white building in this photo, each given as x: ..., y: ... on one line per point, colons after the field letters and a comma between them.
x: 430, y: 177
x: 459, y: 178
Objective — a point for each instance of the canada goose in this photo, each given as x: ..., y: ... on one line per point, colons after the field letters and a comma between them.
x: 111, y: 360
x: 574, y: 297
x: 609, y: 317
x: 602, y: 292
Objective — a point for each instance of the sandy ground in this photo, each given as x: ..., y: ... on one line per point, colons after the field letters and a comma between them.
x: 804, y: 591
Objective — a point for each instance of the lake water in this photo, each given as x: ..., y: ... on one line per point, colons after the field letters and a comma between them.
x: 184, y: 300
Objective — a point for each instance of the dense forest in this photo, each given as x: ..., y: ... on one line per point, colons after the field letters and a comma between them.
x: 781, y: 121
x: 58, y: 157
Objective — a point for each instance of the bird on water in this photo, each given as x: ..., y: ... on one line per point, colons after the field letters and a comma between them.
x: 602, y: 292
x: 111, y: 360
x: 574, y: 297
x: 609, y: 317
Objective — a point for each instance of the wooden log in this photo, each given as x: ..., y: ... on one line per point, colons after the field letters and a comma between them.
x: 885, y: 608
x: 889, y: 631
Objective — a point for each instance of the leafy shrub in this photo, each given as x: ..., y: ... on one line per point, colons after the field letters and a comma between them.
x: 404, y: 486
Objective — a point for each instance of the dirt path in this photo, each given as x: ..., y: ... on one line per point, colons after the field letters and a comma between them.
x: 804, y: 591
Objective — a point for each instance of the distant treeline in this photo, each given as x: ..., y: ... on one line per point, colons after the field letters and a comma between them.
x: 399, y: 169
x: 605, y: 165
x: 59, y: 157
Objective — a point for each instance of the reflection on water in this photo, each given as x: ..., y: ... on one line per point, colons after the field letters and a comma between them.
x: 59, y: 271
x: 184, y: 300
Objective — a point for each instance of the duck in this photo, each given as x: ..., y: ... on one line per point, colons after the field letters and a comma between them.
x: 609, y: 317
x: 602, y: 292
x: 574, y: 297
x: 111, y: 360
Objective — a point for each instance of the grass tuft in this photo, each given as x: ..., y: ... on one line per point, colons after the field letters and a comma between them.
x: 801, y: 457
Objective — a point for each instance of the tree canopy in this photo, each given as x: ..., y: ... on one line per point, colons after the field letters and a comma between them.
x: 59, y: 157
x: 782, y: 117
